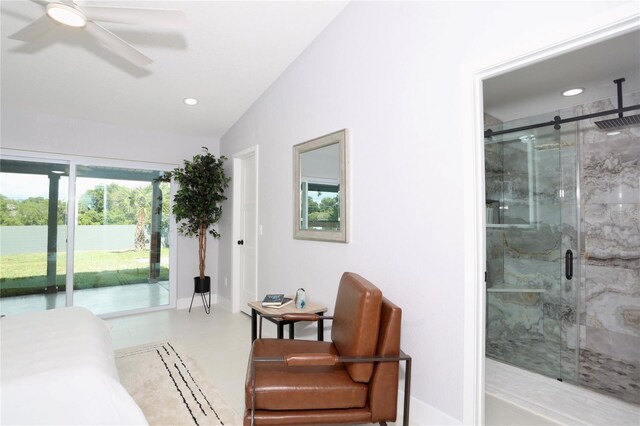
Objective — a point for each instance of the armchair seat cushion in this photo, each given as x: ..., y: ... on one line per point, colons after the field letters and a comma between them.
x: 280, y: 387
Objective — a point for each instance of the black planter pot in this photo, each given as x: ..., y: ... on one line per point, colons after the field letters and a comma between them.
x: 202, y: 286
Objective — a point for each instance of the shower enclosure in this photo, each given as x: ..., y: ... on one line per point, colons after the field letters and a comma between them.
x: 563, y: 248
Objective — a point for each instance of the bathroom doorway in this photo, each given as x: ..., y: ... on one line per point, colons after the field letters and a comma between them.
x: 562, y: 207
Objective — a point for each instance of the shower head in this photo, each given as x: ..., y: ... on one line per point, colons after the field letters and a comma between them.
x: 614, y: 123
x: 621, y: 121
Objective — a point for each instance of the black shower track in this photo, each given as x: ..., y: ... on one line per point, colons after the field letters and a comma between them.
x: 557, y: 121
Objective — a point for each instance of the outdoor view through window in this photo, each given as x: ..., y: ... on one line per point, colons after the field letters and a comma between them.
x: 120, y: 238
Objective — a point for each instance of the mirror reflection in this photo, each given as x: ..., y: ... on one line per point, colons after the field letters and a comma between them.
x: 319, y: 188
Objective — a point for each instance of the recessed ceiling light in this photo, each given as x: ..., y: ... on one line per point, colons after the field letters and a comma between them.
x: 573, y: 92
x: 67, y: 15
x: 613, y: 133
x: 58, y: 172
x: 190, y: 101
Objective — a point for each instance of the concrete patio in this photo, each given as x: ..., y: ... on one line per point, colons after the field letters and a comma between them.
x: 104, y: 300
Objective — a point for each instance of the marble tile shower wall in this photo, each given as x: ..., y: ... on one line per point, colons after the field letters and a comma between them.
x: 610, y: 239
x: 536, y: 328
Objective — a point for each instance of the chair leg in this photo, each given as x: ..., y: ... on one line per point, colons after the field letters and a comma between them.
x: 383, y: 423
x: 407, y: 391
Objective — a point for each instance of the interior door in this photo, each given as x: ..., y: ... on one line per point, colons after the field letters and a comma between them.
x: 247, y: 243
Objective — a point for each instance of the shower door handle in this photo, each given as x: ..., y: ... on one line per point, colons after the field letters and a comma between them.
x: 568, y: 264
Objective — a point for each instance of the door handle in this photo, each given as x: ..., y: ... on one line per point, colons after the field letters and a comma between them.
x: 240, y: 242
x: 568, y: 264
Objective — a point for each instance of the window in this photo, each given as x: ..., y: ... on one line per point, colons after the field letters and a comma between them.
x: 118, y: 245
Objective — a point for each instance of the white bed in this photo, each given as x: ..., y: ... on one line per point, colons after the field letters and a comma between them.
x: 57, y: 367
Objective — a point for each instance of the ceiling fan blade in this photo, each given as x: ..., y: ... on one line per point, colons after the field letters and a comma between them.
x: 34, y: 30
x: 117, y: 45
x: 123, y: 15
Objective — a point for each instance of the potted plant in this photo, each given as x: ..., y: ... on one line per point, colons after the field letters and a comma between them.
x: 196, y: 206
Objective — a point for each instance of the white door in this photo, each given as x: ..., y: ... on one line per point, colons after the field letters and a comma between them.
x: 246, y: 240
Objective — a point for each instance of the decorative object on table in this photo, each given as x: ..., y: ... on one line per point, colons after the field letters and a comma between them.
x: 197, y: 207
x: 301, y: 298
x: 171, y: 388
x: 272, y: 300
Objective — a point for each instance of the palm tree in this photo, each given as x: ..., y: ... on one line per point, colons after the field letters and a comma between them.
x: 140, y: 200
x: 136, y: 202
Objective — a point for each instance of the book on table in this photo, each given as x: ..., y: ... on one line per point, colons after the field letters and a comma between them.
x: 273, y: 300
x: 276, y: 301
x: 285, y: 302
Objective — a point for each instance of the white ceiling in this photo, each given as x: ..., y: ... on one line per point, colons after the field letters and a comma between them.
x: 228, y: 55
x: 536, y: 89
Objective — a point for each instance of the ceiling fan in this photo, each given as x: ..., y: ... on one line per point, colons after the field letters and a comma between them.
x: 68, y: 13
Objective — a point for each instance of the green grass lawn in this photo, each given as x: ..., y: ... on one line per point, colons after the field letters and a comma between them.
x: 22, y: 274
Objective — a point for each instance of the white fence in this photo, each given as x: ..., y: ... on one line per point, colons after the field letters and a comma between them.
x: 33, y: 239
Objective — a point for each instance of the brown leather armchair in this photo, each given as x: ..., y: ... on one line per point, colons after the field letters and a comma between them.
x: 352, y: 379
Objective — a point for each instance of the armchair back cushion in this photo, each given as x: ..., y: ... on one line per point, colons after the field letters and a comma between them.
x: 356, y: 320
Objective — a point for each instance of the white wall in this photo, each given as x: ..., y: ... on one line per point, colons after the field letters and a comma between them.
x: 39, y: 133
x: 399, y: 76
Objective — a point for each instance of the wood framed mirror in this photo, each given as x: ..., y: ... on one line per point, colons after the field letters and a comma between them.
x: 320, y: 188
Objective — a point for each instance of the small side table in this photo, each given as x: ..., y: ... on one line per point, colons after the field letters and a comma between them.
x: 258, y: 309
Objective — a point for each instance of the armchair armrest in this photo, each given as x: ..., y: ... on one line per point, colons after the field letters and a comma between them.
x: 310, y: 359
x: 329, y: 359
x: 297, y: 316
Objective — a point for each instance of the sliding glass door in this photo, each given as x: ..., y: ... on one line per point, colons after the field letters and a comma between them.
x: 118, y: 244
x: 121, y: 247
x: 33, y: 232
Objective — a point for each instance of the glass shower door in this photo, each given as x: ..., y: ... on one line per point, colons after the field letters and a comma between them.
x: 530, y: 193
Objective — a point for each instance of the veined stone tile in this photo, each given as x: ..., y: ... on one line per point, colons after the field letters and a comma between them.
x: 612, y: 232
x: 495, y: 256
x: 514, y: 315
x: 532, y: 273
x: 604, y: 279
x: 611, y: 172
x: 619, y: 346
x: 549, y: 214
x: 542, y: 242
x: 615, y: 312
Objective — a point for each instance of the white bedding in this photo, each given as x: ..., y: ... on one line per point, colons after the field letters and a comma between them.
x: 57, y: 367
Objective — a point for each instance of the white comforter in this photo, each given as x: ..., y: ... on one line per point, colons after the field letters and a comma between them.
x: 57, y: 367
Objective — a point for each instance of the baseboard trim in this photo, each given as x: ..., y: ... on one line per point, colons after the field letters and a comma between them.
x: 421, y: 413
x: 197, y: 301
x: 224, y: 303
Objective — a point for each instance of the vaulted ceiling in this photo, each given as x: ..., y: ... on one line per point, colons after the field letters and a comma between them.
x: 229, y: 53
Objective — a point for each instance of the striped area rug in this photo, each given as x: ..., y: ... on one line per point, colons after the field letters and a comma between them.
x: 169, y: 387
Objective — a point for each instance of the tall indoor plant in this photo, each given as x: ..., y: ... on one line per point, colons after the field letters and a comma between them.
x: 196, y: 205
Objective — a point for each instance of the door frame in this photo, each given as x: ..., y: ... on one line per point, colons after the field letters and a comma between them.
x: 238, y: 157
x: 475, y: 296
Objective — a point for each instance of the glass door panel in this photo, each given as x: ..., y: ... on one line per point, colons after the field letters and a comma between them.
x: 526, y: 301
x: 121, y: 249
x: 33, y: 232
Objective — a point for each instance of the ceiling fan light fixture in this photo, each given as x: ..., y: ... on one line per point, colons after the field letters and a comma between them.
x: 66, y: 15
